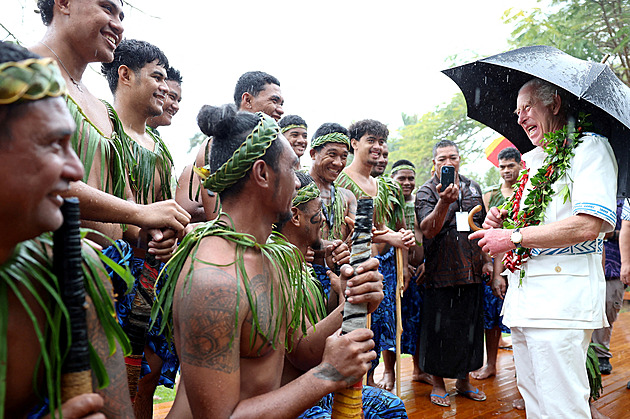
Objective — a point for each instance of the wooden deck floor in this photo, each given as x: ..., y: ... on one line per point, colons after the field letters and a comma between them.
x: 501, y: 390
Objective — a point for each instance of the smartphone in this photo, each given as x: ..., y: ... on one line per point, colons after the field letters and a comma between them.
x: 447, y: 177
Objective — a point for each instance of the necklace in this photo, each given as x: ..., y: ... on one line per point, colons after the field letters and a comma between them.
x: 559, y: 146
x: 76, y: 83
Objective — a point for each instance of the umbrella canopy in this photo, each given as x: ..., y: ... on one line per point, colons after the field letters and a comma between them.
x: 490, y: 87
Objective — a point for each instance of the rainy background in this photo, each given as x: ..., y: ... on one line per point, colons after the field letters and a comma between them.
x: 337, y: 61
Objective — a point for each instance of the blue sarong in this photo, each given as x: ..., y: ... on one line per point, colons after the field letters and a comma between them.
x: 377, y: 404
x: 155, y: 341
x: 492, y: 306
x: 411, y: 308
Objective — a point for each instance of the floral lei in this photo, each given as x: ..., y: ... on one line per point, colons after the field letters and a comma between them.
x: 559, y: 147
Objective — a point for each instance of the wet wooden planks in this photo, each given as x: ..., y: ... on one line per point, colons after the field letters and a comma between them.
x: 501, y: 390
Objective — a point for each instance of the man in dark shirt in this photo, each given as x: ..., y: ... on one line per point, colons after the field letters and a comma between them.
x: 451, y: 332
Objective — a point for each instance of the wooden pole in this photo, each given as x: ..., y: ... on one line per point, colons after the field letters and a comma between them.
x: 399, y: 326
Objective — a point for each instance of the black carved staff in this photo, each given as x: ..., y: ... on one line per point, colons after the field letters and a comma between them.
x: 76, y: 376
x: 348, y: 403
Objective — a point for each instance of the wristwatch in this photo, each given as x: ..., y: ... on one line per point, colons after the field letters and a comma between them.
x: 517, y: 238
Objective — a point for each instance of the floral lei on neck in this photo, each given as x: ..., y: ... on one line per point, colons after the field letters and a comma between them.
x: 559, y: 147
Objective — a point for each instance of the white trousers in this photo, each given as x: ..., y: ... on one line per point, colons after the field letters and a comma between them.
x: 551, y: 371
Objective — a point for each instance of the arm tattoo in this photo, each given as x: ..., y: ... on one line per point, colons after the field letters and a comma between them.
x: 207, y: 321
x: 328, y: 372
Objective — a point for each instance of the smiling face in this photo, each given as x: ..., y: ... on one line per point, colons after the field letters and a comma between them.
x: 149, y: 88
x: 368, y: 148
x: 406, y: 178
x: 171, y: 105
x: 381, y: 162
x: 329, y: 161
x: 298, y: 139
x: 37, y: 163
x: 95, y: 25
x: 268, y: 101
x: 535, y: 117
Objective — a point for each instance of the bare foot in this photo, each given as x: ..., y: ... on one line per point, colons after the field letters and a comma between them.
x: 484, y: 372
x: 387, y: 382
x: 595, y: 413
x: 422, y: 377
x: 518, y: 404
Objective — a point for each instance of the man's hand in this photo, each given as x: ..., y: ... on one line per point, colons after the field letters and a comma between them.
x: 494, y: 218
x: 85, y: 406
x: 346, y: 358
x: 494, y: 240
x: 366, y: 286
x: 450, y: 194
x: 337, y: 253
x: 488, y: 268
x: 624, y: 274
x: 499, y: 286
x: 309, y: 257
x: 163, y: 214
x: 163, y: 243
x: 403, y: 239
x: 420, y: 274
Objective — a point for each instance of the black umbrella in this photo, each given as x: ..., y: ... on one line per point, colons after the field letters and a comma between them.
x: 491, y: 86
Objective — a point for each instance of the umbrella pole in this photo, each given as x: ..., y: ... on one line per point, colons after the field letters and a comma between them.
x: 399, y: 328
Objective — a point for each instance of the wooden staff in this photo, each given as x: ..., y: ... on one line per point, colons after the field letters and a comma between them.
x: 138, y: 321
x: 399, y: 325
x: 76, y: 375
x: 471, y: 214
x: 348, y: 402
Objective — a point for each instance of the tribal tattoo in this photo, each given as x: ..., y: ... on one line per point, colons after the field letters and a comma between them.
x: 328, y: 372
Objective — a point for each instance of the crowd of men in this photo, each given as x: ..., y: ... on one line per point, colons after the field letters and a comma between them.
x: 250, y: 305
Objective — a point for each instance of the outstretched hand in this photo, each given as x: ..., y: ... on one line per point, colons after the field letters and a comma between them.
x: 494, y: 240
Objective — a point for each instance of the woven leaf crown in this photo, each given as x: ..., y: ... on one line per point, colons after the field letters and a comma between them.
x: 253, y: 148
x: 29, y: 80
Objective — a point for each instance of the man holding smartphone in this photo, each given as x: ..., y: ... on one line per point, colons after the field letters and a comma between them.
x: 451, y: 331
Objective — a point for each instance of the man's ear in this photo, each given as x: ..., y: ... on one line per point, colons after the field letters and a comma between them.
x: 312, y: 153
x: 260, y: 173
x: 295, y: 216
x: 555, y: 106
x: 63, y: 6
x: 246, y: 101
x: 125, y: 75
x: 354, y: 143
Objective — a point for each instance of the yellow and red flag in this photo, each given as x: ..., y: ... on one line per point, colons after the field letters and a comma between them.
x: 493, y: 150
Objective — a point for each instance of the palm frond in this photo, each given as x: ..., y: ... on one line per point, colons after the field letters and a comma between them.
x: 29, y: 270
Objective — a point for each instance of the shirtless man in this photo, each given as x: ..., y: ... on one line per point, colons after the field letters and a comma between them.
x: 36, y: 135
x: 368, y: 139
x: 304, y: 230
x: 294, y: 128
x: 137, y: 78
x: 329, y: 152
x: 80, y: 32
x: 224, y: 372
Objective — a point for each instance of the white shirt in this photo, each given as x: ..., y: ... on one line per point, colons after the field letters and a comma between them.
x: 565, y: 288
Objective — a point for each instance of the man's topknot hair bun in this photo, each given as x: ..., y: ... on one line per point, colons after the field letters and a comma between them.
x: 216, y: 121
